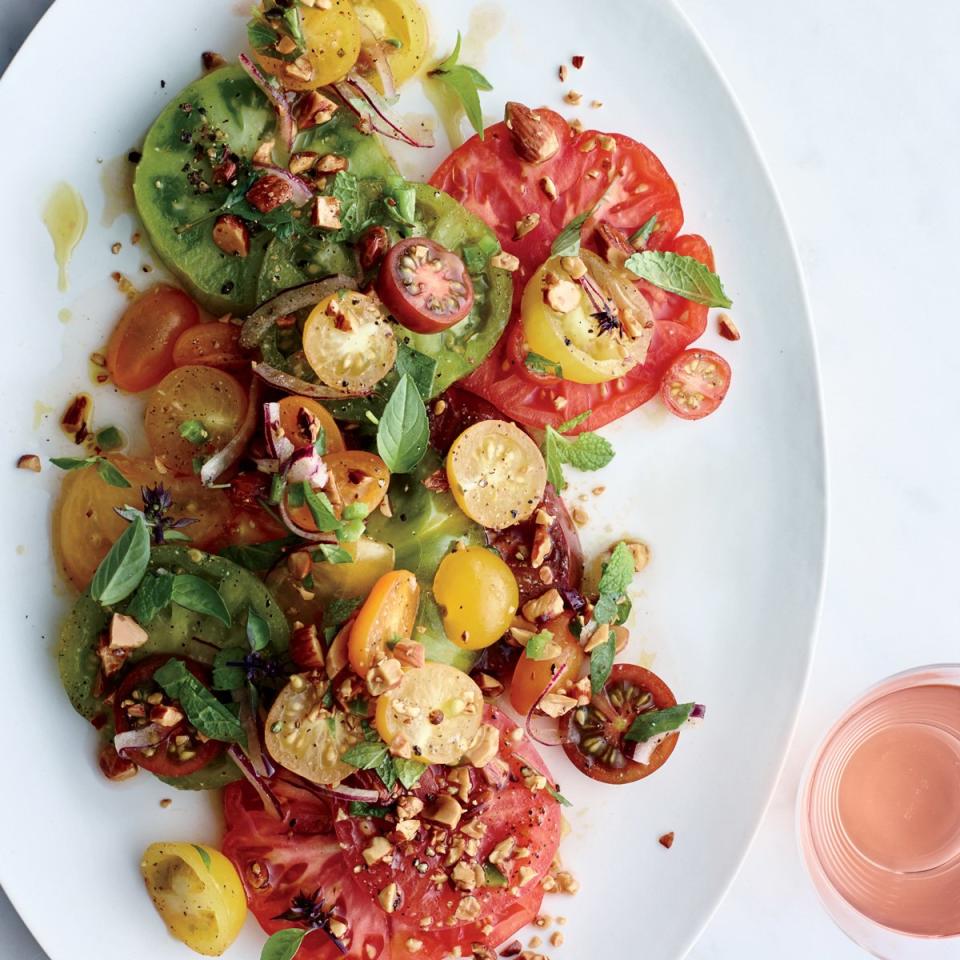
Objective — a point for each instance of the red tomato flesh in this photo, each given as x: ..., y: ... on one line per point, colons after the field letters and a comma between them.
x: 695, y: 384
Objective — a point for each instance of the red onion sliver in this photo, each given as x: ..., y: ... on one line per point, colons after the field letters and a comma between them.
x: 223, y: 459
x: 291, y: 384
x: 259, y: 759
x: 340, y: 792
x: 267, y: 465
x: 364, y: 101
x: 301, y: 189
x: 312, y: 535
x: 148, y: 736
x: 270, y: 802
x: 278, y: 443
x: 306, y: 466
x: 546, y: 734
x: 286, y: 126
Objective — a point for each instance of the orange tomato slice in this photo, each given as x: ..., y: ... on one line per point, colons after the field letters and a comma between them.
x: 210, y: 345
x: 388, y: 614
x: 291, y: 422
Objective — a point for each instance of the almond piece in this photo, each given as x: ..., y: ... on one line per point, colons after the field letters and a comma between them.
x: 268, y: 193
x: 727, y: 328
x: 313, y: 109
x: 533, y: 138
x: 325, y: 213
x: 505, y: 261
x: 231, y: 235
x: 29, y: 461
x: 526, y: 224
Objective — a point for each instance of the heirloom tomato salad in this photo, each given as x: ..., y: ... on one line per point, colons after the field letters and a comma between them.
x: 335, y: 579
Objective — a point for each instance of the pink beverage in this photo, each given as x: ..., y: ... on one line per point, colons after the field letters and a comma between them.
x: 879, y: 817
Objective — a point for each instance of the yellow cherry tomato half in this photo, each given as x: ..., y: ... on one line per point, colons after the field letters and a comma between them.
x: 388, y: 614
x: 496, y: 473
x: 435, y: 711
x: 304, y: 736
x: 203, y: 395
x: 348, y: 341
x: 400, y: 26
x: 197, y: 893
x: 532, y: 677
x: 332, y: 46
x: 566, y: 330
x: 478, y: 596
x: 299, y: 418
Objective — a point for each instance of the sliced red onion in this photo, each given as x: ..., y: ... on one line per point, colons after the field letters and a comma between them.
x: 290, y: 301
x: 267, y: 797
x: 545, y: 730
x: 291, y: 384
x: 279, y: 445
x: 306, y: 466
x: 148, y: 736
x: 223, y: 459
x: 699, y: 712
x: 301, y: 189
x: 259, y: 759
x: 364, y: 101
x: 286, y: 126
x: 340, y: 792
x: 312, y: 535
x: 377, y: 55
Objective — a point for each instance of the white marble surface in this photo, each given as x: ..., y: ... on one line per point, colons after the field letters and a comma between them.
x: 855, y: 107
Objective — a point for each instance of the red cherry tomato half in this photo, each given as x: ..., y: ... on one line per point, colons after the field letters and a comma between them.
x: 425, y: 286
x: 594, y: 735
x: 695, y: 384
x: 172, y: 756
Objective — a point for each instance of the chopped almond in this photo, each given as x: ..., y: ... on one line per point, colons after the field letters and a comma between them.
x: 380, y: 848
x: 446, y: 811
x: 549, y: 187
x: 126, y: 633
x: 113, y: 766
x: 325, y: 213
x: 468, y: 909
x: 545, y: 607
x: 640, y: 553
x: 386, y: 675
x: 331, y: 163
x: 303, y: 162
x: 485, y: 746
x: 409, y: 807
x: 533, y: 138
x: 301, y: 69
x: 268, y: 193
x: 562, y: 296
x: 263, y: 155
x: 526, y: 224
x: 576, y: 269
x: 411, y: 653
x: 231, y: 235
x: 557, y: 705
x: 165, y: 715
x: 313, y: 109
x: 573, y: 97
x: 505, y: 261
x: 727, y: 328
x: 306, y: 650
x: 389, y: 897
x: 598, y: 638
x: 666, y: 840
x: 29, y: 461
x: 408, y: 829
x: 542, y: 546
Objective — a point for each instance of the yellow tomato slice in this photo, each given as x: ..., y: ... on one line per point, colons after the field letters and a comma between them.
x: 401, y: 26
x: 349, y: 342
x: 304, y: 736
x: 86, y: 523
x: 297, y: 418
x: 211, y: 397
x: 478, y: 596
x: 388, y: 614
x: 436, y: 712
x: 333, y: 45
x: 198, y: 894
x: 575, y: 339
x: 496, y: 473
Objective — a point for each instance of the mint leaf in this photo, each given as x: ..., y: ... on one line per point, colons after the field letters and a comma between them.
x: 355, y: 511
x: 588, y: 451
x: 226, y: 674
x: 419, y: 367
x: 153, y: 595
x: 202, y: 708
x: 615, y: 578
x: 409, y: 772
x: 655, y: 722
x: 320, y: 507
x: 258, y: 633
x: 261, y: 37
x: 685, y: 276
x: 553, y: 457
x: 543, y: 366
x: 387, y: 772
x: 640, y: 238
x: 573, y: 422
x: 617, y: 572
x: 536, y: 648
x: 404, y: 431
x: 122, y: 569
x: 204, y: 856
x: 284, y: 944
x: 334, y: 553
x: 492, y: 876
x: 193, y: 431
x: 567, y: 241
x: 359, y: 809
x: 367, y: 755
x: 466, y: 82
x: 198, y: 595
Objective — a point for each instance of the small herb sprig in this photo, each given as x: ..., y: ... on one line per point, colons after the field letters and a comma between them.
x: 678, y: 274
x: 465, y: 82
x: 588, y: 451
x: 157, y: 504
x: 611, y: 606
x: 108, y: 472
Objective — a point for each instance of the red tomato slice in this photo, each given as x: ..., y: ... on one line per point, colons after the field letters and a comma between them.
x: 425, y: 286
x: 695, y: 384
x: 489, y: 179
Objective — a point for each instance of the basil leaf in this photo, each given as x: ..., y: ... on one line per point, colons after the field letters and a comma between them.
x: 387, y: 772
x: 334, y: 553
x: 404, y: 431
x: 409, y: 772
x: 465, y: 82
x: 227, y: 675
x: 601, y: 662
x: 543, y: 366
x: 122, y: 569
x: 153, y: 595
x: 366, y: 756
x: 655, y: 722
x: 321, y: 508
x: 259, y: 556
x: 202, y: 708
x: 537, y: 645
x: 492, y: 876
x: 358, y: 809
x: 109, y: 438
x: 339, y: 610
x: 198, y: 595
x: 640, y: 238
x: 204, y: 856
x: 685, y: 276
x: 284, y: 944
x: 419, y: 367
x: 108, y: 472
x: 567, y: 241
x: 258, y: 633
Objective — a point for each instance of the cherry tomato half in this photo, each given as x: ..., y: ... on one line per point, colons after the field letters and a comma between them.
x: 141, y: 347
x: 594, y: 735
x: 180, y: 751
x: 211, y: 345
x: 388, y: 613
x: 299, y: 418
x: 695, y: 384
x: 425, y: 286
x: 532, y: 677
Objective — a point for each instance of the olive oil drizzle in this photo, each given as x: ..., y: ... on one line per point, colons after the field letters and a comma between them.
x: 65, y: 216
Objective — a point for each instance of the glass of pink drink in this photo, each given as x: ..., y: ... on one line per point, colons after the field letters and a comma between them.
x: 879, y: 817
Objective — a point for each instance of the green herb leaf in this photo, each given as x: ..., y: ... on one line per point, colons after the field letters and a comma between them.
x: 404, y: 431
x: 574, y: 422
x: 198, y: 595
x: 321, y: 508
x: 284, y: 944
x: 492, y: 876
x: 339, y: 610
x: 553, y: 457
x: 387, y: 772
x: 352, y: 531
x: 419, y: 367
x: 294, y: 25
x: 686, y: 276
x: 226, y: 675
x: 346, y: 189
x: 202, y: 708
x: 153, y: 595
x: 204, y: 856
x: 259, y: 556
x: 543, y: 366
x: 567, y: 241
x: 355, y: 511
x: 655, y: 722
x: 334, y: 553
x: 558, y: 796
x: 601, y: 662
x: 466, y: 82
x: 367, y: 755
x: 258, y: 633
x: 109, y: 438
x: 400, y: 198
x: 193, y: 431
x: 122, y: 569
x: 588, y: 451
x: 358, y: 809
x: 73, y: 463
x: 108, y: 472
x: 536, y: 648
x: 617, y: 572
x: 261, y: 37
x: 409, y: 772
x: 640, y: 238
